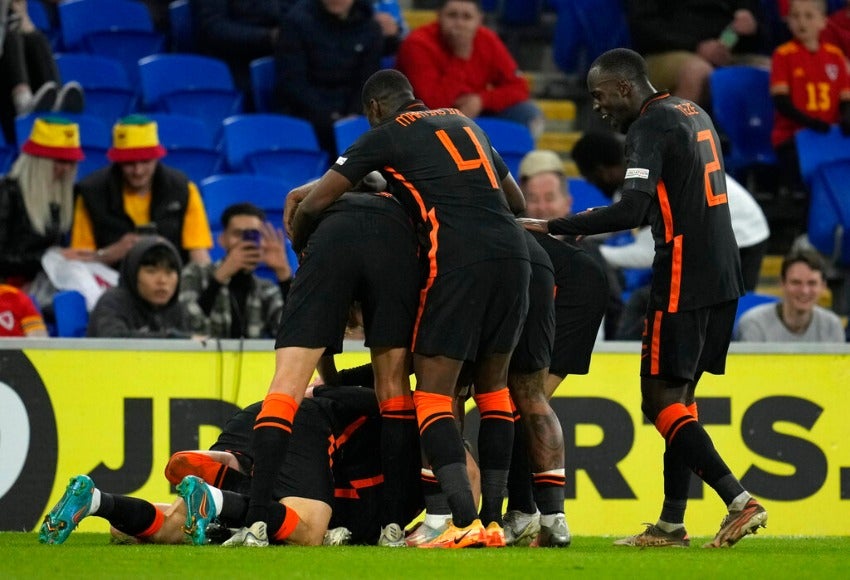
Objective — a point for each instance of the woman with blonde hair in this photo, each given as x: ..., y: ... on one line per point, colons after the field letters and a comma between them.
x: 37, y: 199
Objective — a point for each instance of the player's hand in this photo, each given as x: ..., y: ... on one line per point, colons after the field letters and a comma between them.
x: 534, y: 225
x: 293, y: 198
x: 273, y: 251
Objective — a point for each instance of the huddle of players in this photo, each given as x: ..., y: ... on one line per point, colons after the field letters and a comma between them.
x: 488, y: 289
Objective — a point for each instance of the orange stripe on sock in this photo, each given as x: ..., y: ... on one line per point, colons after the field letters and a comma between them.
x: 431, y: 407
x: 290, y: 520
x: 399, y: 403
x: 495, y: 405
x: 158, y: 520
x: 278, y: 410
x: 692, y: 409
x: 671, y: 419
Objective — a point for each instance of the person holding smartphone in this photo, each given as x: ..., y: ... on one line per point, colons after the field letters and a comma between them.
x: 226, y: 299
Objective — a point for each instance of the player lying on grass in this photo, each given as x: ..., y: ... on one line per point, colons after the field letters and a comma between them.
x: 314, y: 496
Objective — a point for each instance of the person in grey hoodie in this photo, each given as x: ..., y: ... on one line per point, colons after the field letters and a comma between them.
x: 144, y: 304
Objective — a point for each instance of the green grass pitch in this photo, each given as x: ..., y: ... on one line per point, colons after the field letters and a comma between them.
x: 91, y: 556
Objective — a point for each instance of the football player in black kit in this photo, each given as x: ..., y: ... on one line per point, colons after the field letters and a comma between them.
x: 441, y: 166
x: 675, y: 182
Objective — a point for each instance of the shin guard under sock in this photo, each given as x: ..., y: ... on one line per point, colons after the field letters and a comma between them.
x: 272, y: 431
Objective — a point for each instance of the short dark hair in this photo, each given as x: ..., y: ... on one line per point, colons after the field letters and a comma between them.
x: 807, y: 256
x: 160, y: 256
x: 386, y: 84
x: 595, y: 149
x: 241, y: 209
x: 622, y: 62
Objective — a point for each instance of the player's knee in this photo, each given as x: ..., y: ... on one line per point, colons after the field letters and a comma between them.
x: 179, y: 466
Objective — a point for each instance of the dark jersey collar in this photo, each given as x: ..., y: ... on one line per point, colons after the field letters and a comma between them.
x: 414, y: 105
x: 651, y: 99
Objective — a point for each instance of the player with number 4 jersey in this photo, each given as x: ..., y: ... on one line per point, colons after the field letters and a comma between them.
x: 474, y: 296
x: 674, y: 181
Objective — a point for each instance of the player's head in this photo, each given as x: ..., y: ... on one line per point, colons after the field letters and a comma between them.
x: 806, y: 19
x: 601, y: 160
x: 384, y: 93
x: 618, y: 82
x: 803, y: 277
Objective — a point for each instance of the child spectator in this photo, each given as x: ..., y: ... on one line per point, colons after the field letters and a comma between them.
x: 144, y: 304
x: 810, y: 86
x: 18, y: 314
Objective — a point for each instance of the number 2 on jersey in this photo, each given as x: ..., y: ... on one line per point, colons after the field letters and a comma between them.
x: 468, y: 164
x: 710, y: 167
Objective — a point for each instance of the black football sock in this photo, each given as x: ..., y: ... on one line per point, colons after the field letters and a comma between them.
x: 520, y: 494
x: 495, y: 441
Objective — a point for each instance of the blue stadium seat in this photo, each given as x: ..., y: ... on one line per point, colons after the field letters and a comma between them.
x: 72, y: 318
x: 95, y: 138
x: 267, y: 193
x: 41, y: 20
x: 262, y: 83
x: 749, y: 300
x: 585, y: 195
x: 109, y: 94
x: 193, y: 85
x: 190, y: 144
x: 511, y: 140
x: 277, y: 145
x: 829, y: 210
x: 585, y: 29
x: 742, y: 108
x: 346, y: 131
x: 815, y: 149
x: 7, y: 155
x: 119, y: 29
x: 181, y: 27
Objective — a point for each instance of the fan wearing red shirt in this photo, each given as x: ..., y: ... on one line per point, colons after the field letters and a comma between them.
x: 810, y: 86
x: 457, y: 62
x: 18, y: 314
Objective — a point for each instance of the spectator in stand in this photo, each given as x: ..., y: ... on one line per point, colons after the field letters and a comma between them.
x: 797, y: 317
x: 810, y: 86
x: 144, y: 304
x: 837, y: 30
x: 239, y: 31
x: 137, y: 192
x: 29, y: 78
x: 329, y: 50
x: 684, y: 41
x: 226, y: 299
x: 457, y: 62
x: 18, y: 314
x: 37, y: 201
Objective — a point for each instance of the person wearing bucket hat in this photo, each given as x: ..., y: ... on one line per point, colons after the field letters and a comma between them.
x: 37, y: 198
x: 138, y: 194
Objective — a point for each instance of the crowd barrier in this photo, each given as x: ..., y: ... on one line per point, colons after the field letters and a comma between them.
x: 117, y: 410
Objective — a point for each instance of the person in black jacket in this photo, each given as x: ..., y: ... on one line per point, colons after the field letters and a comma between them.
x: 137, y: 193
x: 37, y: 199
x: 239, y: 31
x: 328, y: 51
x: 144, y: 304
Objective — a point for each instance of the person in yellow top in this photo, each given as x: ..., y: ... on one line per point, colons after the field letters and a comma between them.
x: 137, y: 194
